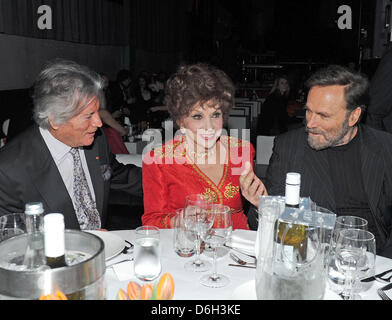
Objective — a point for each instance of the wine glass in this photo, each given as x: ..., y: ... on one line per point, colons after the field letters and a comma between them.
x: 199, y: 219
x: 348, y: 222
x: 355, y: 256
x: 11, y: 225
x: 335, y: 277
x: 217, y: 237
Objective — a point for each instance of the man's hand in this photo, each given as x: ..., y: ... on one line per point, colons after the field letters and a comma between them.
x: 251, y: 185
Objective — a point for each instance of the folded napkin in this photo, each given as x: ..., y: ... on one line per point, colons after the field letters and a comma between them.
x: 242, y: 243
x: 124, y: 270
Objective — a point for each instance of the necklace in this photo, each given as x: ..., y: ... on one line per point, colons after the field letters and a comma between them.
x: 199, y: 155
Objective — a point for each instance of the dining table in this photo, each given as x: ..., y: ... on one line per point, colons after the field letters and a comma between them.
x: 119, y: 272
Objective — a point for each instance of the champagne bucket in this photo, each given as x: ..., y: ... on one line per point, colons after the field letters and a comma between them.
x: 286, y: 272
x: 83, y: 278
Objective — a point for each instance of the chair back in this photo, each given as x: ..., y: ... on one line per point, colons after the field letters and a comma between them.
x: 5, y: 126
x: 264, y: 149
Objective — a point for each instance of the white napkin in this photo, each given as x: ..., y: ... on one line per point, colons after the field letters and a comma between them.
x: 243, y: 244
x: 124, y: 270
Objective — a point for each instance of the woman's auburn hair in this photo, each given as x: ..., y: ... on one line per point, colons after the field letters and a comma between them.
x: 197, y: 84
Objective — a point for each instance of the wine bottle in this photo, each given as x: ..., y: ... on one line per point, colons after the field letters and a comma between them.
x: 293, y: 236
x: 54, y: 240
x: 34, y: 258
x: 293, y: 187
x: 55, y: 247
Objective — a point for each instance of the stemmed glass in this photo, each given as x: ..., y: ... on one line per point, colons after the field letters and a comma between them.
x: 11, y: 225
x: 349, y: 222
x: 355, y: 256
x: 335, y: 277
x: 199, y: 219
x: 217, y: 237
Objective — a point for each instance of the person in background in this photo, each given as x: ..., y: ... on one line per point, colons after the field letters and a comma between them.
x: 201, y: 159
x: 143, y: 98
x: 158, y: 112
x: 273, y: 118
x: 120, y: 95
x: 114, y: 131
x: 345, y: 166
x: 157, y: 86
x: 63, y: 160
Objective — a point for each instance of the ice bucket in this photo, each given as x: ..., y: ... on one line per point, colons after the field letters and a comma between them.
x: 82, y: 279
x: 285, y: 272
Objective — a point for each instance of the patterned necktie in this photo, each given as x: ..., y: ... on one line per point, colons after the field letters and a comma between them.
x: 85, y: 206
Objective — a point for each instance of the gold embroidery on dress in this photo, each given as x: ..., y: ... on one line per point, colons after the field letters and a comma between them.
x: 234, y: 142
x: 165, y: 221
x: 214, y: 194
x: 231, y: 191
x: 210, y: 195
x: 170, y: 150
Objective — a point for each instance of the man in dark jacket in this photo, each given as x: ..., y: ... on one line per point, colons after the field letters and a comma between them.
x: 63, y: 160
x: 344, y: 166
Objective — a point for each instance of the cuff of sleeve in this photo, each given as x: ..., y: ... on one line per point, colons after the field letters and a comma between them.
x: 167, y: 221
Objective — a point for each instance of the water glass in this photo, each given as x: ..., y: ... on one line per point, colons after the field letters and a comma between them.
x: 184, y: 239
x: 355, y: 256
x: 198, y: 219
x: 147, y: 254
x: 11, y: 225
x: 335, y: 277
x: 216, y: 237
x: 348, y: 222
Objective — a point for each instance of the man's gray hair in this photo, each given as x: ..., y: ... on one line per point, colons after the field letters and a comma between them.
x: 62, y: 90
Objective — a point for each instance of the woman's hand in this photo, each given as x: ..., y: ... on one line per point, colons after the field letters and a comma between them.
x: 251, y: 185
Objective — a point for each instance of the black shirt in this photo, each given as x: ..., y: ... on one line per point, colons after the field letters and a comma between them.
x: 345, y: 171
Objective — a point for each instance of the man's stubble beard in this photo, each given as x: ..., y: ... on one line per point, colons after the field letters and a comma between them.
x: 336, y: 139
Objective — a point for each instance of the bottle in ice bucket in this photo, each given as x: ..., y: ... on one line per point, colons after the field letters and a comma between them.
x: 293, y: 237
x: 34, y: 258
x: 55, y: 247
x: 54, y: 240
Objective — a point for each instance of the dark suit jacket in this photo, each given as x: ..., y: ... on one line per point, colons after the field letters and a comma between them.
x: 291, y: 153
x: 379, y: 113
x: 28, y: 173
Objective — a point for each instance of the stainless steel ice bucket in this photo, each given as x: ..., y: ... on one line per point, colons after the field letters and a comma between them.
x: 86, y: 278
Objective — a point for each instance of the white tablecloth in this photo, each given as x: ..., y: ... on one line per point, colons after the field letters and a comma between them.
x: 187, y: 286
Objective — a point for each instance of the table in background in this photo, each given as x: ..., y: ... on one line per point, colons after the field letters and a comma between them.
x: 187, y: 286
x: 135, y: 159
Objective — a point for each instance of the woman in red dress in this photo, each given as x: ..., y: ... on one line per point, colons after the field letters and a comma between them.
x: 201, y: 159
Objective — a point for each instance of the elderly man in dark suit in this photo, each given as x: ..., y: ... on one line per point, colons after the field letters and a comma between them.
x: 344, y: 166
x: 64, y: 160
